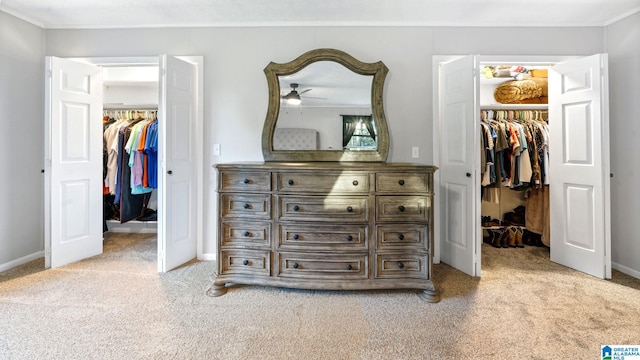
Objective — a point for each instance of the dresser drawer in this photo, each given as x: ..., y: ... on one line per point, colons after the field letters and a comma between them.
x: 321, y: 208
x: 315, y: 182
x: 256, y: 206
x: 402, y: 236
x: 245, y: 262
x: 396, y: 266
x: 246, y: 234
x: 325, y: 266
x: 403, y: 183
x: 323, y: 237
x: 245, y: 181
x: 402, y: 208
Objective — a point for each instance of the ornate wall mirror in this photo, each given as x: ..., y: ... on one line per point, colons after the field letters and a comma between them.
x: 325, y: 106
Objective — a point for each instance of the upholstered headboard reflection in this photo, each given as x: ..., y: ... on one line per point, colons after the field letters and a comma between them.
x: 295, y: 139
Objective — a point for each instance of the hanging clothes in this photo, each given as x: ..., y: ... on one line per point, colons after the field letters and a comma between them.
x: 132, y: 205
x: 515, y: 146
x: 516, y: 149
x: 127, y: 163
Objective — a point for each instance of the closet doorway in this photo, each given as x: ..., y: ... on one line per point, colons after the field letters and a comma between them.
x: 579, y: 160
x: 74, y: 159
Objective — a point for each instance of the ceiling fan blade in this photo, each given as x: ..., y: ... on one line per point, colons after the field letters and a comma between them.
x: 302, y: 92
x: 313, y: 97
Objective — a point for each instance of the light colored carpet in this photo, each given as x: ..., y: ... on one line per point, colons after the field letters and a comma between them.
x: 115, y: 306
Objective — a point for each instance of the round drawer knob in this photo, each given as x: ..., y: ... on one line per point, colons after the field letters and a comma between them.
x: 349, y: 209
x: 400, y: 265
x: 296, y: 208
x: 246, y: 262
x: 290, y: 182
x: 246, y: 233
x: 349, y: 238
x: 355, y: 183
x: 246, y: 181
x: 349, y: 267
x: 296, y: 237
x: 401, y: 182
x: 401, y: 237
x: 246, y: 206
x: 401, y: 208
x: 295, y: 265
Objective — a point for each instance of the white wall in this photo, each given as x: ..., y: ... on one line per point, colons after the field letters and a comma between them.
x: 21, y: 134
x: 326, y: 120
x: 134, y: 96
x: 623, y: 46
x: 235, y: 99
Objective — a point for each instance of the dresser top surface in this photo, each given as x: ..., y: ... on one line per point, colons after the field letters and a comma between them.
x: 326, y: 166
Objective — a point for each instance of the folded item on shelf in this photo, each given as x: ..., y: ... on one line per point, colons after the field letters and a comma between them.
x: 538, y: 100
x: 510, y: 92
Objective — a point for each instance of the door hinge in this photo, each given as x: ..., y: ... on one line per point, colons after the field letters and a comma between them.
x: 50, y: 74
x: 47, y: 251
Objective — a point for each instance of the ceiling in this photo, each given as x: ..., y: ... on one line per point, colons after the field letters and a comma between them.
x: 329, y: 84
x: 70, y: 14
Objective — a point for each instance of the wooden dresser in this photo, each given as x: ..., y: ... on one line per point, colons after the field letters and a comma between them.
x: 325, y: 225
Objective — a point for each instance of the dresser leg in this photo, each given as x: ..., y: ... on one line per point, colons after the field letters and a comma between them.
x: 217, y: 289
x: 430, y: 294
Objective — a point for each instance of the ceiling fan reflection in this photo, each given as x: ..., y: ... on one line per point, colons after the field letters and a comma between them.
x: 294, y: 97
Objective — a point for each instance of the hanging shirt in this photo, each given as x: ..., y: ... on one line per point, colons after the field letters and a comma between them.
x: 110, y: 136
x: 135, y: 160
x: 144, y: 179
x: 151, y: 149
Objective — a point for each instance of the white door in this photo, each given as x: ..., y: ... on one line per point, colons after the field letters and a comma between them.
x: 73, y: 161
x: 459, y: 164
x: 579, y: 165
x: 177, y: 156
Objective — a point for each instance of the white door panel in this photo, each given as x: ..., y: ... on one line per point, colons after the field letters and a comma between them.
x: 579, y: 165
x: 177, y: 242
x: 73, y: 162
x: 459, y: 162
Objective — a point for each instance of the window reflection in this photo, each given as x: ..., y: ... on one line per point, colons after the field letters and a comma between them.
x: 358, y: 132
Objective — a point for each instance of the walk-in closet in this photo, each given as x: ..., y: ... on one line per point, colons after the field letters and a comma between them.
x: 130, y: 153
x: 153, y: 176
x: 523, y: 158
x: 514, y: 154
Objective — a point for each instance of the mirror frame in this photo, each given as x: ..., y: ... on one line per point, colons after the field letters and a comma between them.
x: 379, y: 72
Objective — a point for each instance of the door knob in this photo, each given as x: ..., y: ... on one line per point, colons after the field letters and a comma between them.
x: 169, y: 172
x: 468, y: 174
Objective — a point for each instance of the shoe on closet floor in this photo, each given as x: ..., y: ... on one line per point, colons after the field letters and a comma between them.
x: 513, y: 234
x: 519, y: 235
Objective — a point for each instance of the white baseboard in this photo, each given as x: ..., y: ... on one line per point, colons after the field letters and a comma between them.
x: 21, y: 261
x: 207, y: 257
x: 626, y: 270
